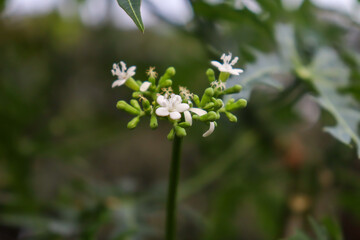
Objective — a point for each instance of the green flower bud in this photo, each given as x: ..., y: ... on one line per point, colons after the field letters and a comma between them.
x: 184, y: 124
x: 127, y: 108
x: 231, y: 117
x: 136, y: 94
x: 196, y: 100
x: 133, y: 123
x: 208, y: 93
x: 170, y: 72
x: 180, y: 132
x: 208, y: 106
x: 234, y: 89
x: 211, y: 75
x: 131, y: 83
x: 218, y: 104
x: 230, y: 106
x: 146, y: 105
x: 135, y: 104
x: 171, y: 134
x: 210, y: 116
x: 166, y: 83
x: 153, y: 121
x: 224, y: 76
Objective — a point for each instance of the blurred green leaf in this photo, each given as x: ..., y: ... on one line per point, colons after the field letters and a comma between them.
x: 132, y: 8
x: 328, y: 74
x: 261, y: 72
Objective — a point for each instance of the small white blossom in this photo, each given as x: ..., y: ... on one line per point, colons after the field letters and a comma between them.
x: 145, y: 86
x: 172, y: 106
x: 227, y: 65
x: 122, y: 73
x: 199, y: 112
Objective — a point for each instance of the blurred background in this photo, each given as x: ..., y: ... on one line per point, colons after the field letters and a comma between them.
x: 70, y: 169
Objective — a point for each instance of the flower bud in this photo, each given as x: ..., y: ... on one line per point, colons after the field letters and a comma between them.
x: 184, y: 124
x: 231, y: 105
x: 166, y: 83
x: 133, y: 123
x: 218, y: 103
x: 180, y: 132
x: 235, y: 89
x: 231, y: 117
x: 170, y: 72
x: 135, y: 104
x: 196, y: 100
x: 146, y: 105
x: 210, y: 116
x: 127, y: 108
x: 136, y: 94
x: 208, y: 106
x: 153, y: 121
x: 211, y: 75
x: 171, y: 135
x: 132, y: 84
x: 208, y: 93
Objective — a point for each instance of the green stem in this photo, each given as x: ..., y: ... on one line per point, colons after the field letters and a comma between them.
x: 172, y: 190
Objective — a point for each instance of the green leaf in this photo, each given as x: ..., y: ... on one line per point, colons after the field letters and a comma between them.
x: 328, y: 74
x: 132, y: 8
x: 260, y: 72
x: 319, y: 230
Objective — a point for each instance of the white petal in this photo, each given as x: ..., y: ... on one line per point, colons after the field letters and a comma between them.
x: 175, y: 115
x: 118, y: 83
x: 216, y: 64
x: 161, y: 100
x: 123, y: 66
x: 131, y: 71
x: 198, y: 111
x: 182, y: 107
x: 145, y: 86
x: 236, y: 71
x: 162, y: 112
x: 188, y: 117
x: 210, y: 131
x: 177, y: 99
x: 234, y: 61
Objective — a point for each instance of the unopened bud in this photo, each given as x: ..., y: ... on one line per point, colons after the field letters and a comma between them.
x: 211, y: 75
x: 135, y: 104
x: 133, y: 123
x: 235, y: 89
x: 171, y: 135
x: 180, y: 132
x: 210, y: 116
x: 241, y: 103
x: 209, y: 92
x: 153, y: 121
x: 231, y: 117
x: 127, y: 108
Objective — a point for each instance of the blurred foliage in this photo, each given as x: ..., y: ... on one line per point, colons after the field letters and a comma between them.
x: 71, y: 170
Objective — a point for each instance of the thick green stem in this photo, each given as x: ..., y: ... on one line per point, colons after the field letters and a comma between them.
x: 172, y: 190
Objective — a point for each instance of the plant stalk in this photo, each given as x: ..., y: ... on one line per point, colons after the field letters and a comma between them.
x: 172, y: 189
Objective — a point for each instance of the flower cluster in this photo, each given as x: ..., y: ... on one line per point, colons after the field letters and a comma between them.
x: 157, y: 99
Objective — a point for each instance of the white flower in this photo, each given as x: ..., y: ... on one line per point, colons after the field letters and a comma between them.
x: 199, y: 112
x: 172, y: 106
x: 227, y: 65
x: 122, y: 74
x: 145, y: 86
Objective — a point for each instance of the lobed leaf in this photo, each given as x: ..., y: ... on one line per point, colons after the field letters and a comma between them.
x: 328, y: 74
